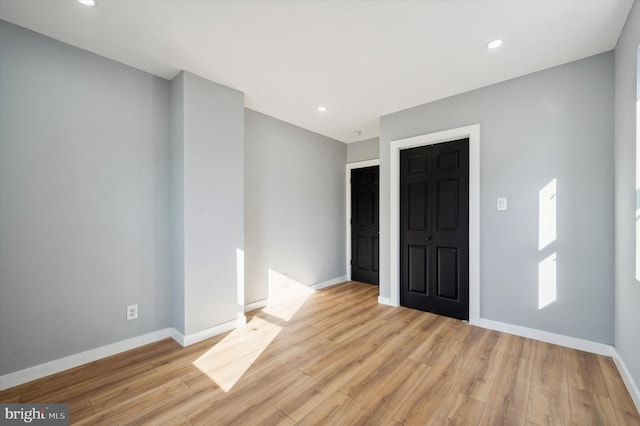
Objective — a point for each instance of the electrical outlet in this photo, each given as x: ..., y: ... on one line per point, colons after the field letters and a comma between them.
x: 132, y: 312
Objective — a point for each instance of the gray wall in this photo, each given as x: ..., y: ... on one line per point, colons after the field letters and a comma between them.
x: 84, y: 167
x: 177, y: 203
x: 213, y: 200
x: 363, y: 150
x: 294, y: 204
x: 556, y: 123
x: 627, y: 288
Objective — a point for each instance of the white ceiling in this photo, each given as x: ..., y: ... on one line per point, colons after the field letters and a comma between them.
x: 362, y: 59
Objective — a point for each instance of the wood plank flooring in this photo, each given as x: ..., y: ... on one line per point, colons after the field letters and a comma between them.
x: 339, y: 357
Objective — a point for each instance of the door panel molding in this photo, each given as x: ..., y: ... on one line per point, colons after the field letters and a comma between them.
x: 447, y: 264
x: 349, y: 167
x: 473, y: 133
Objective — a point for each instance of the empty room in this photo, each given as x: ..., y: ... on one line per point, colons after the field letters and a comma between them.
x: 355, y: 212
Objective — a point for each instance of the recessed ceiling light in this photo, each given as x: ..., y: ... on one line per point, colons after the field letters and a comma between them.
x: 87, y: 2
x: 494, y: 44
x: 322, y: 108
x: 357, y: 133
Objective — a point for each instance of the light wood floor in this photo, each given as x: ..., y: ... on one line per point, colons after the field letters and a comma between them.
x: 340, y: 358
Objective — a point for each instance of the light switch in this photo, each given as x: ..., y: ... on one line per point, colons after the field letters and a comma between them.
x: 501, y: 203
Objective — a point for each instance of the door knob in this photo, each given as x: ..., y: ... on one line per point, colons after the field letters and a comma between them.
x: 428, y: 237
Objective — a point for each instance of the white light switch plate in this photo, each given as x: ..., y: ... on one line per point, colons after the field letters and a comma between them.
x: 501, y: 204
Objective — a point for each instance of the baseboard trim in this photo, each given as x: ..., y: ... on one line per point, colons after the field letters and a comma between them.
x: 39, y: 371
x: 532, y: 333
x: 241, y: 320
x: 329, y: 283
x: 545, y: 336
x: 386, y: 301
x: 631, y: 385
x: 205, y: 334
x: 256, y: 305
x: 561, y: 340
x: 315, y: 287
x: 177, y: 336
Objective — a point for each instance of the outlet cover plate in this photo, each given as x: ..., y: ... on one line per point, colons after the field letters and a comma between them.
x: 132, y: 312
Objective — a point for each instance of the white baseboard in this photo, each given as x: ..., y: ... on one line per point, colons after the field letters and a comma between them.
x: 561, y: 340
x: 241, y: 320
x: 208, y: 333
x: 329, y: 283
x: 177, y: 336
x: 545, y: 336
x: 532, y: 333
x: 39, y: 371
x: 56, y: 366
x: 631, y: 385
x: 386, y: 301
x: 315, y: 287
x: 255, y: 305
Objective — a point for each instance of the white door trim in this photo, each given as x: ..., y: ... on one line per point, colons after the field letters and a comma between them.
x: 351, y: 166
x: 473, y: 133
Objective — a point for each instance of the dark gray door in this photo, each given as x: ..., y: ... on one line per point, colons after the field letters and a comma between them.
x: 434, y: 228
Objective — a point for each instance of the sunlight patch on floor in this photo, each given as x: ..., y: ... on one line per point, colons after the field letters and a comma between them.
x: 229, y: 360
x: 286, y: 295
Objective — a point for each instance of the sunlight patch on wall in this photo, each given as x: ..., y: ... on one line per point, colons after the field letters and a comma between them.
x: 547, y: 281
x: 547, y: 217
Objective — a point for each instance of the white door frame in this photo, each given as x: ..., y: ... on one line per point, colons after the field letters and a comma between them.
x: 351, y: 166
x: 473, y: 133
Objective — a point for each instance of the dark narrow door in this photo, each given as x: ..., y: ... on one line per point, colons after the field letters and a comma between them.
x: 364, y: 225
x: 434, y: 228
